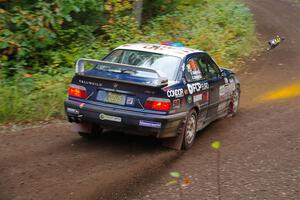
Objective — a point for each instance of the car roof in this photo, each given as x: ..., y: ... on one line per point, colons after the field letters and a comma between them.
x: 161, y: 49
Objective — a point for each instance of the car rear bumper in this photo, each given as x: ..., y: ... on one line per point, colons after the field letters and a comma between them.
x: 161, y: 126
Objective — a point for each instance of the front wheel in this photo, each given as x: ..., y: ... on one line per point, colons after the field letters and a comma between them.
x: 190, y: 130
x: 234, y: 104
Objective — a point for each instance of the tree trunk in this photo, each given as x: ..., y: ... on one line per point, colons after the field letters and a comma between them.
x: 138, y: 11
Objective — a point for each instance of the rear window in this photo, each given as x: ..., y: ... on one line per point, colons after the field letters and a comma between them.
x: 167, y: 66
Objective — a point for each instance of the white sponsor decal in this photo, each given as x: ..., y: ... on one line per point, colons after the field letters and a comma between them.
x: 130, y: 101
x: 196, y: 75
x: 198, y: 97
x: 103, y: 116
x: 231, y: 85
x: 90, y: 83
x: 223, y: 90
x: 197, y: 87
x: 175, y: 93
x: 227, y: 89
x: 150, y: 124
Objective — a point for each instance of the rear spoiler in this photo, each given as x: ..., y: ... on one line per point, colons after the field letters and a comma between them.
x: 159, y: 82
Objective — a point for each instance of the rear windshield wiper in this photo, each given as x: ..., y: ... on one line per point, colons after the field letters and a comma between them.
x: 123, y: 71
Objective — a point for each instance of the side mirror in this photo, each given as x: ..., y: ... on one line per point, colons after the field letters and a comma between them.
x: 223, y: 73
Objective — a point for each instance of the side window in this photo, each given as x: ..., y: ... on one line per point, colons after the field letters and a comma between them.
x: 193, y: 72
x: 209, y: 68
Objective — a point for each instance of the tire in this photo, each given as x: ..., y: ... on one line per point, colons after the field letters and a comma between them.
x: 190, y: 130
x: 93, y: 134
x: 235, y: 102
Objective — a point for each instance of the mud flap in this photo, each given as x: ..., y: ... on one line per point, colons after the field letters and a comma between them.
x: 82, y: 127
x: 175, y: 142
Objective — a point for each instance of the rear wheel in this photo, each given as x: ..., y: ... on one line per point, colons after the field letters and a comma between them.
x: 93, y: 133
x: 190, y: 130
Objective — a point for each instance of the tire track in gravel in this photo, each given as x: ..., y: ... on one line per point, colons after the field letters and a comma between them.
x: 53, y: 163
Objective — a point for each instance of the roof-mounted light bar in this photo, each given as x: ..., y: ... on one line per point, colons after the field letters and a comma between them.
x: 172, y: 44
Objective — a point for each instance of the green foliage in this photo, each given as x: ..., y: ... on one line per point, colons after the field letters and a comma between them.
x: 122, y: 30
x: 224, y: 28
x: 28, y: 29
x: 41, y: 40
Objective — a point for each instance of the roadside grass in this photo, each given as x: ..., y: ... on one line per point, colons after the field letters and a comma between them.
x: 36, y: 97
x: 224, y: 28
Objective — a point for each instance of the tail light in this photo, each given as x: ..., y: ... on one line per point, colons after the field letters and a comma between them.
x: 77, y: 91
x: 158, y: 104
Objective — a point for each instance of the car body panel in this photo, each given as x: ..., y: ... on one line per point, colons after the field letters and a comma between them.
x: 210, y: 97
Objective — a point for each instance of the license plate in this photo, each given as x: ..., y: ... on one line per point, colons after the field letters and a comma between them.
x: 116, y: 98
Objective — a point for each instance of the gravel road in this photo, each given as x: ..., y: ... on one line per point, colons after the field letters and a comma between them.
x: 259, y: 158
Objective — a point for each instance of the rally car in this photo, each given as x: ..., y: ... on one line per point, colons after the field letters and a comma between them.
x: 165, y: 90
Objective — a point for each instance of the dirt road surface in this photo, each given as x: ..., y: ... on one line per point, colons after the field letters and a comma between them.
x: 259, y: 157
